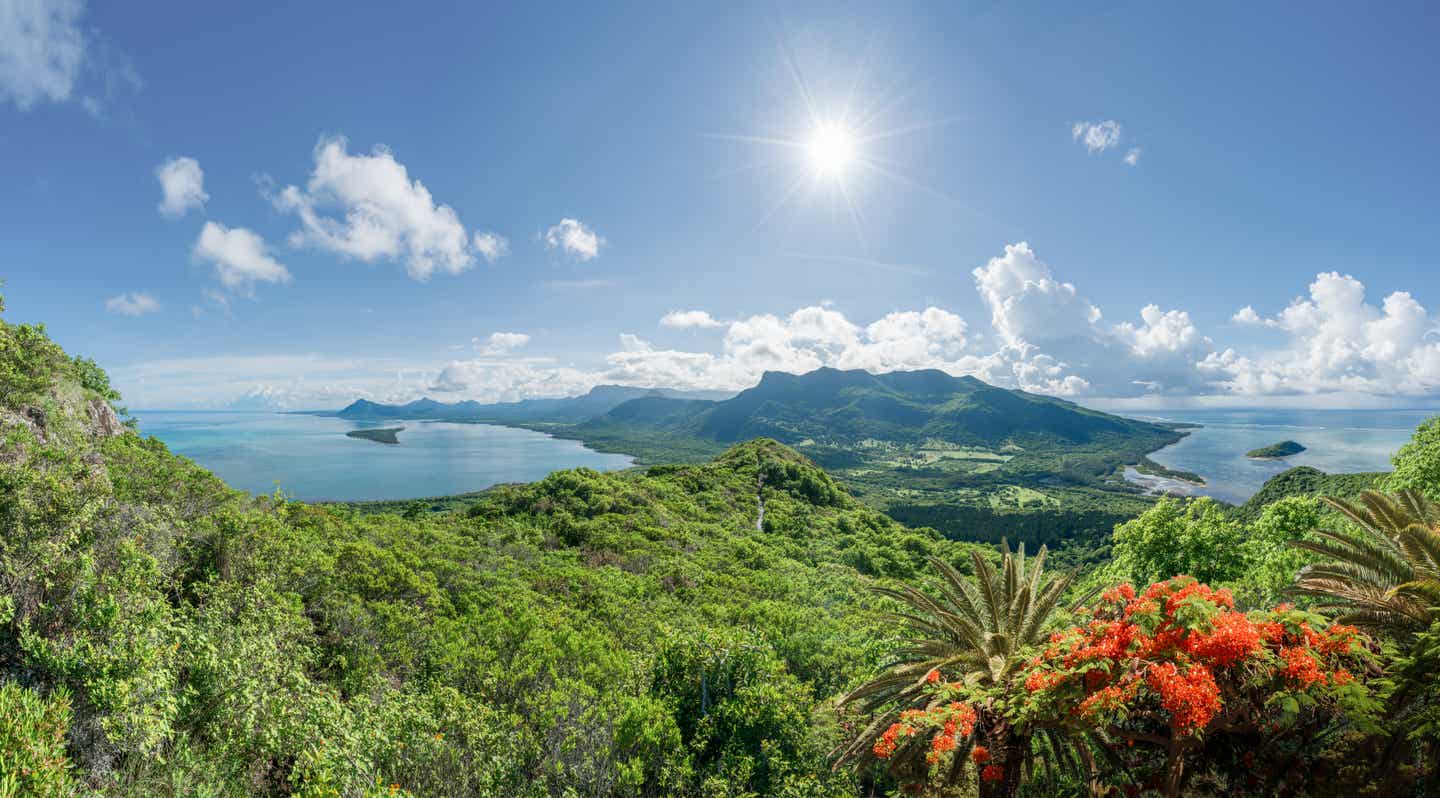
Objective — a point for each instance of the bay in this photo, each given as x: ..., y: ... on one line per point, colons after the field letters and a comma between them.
x: 1336, y: 441
x: 311, y: 459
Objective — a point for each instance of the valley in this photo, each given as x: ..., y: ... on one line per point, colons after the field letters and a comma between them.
x: 974, y: 461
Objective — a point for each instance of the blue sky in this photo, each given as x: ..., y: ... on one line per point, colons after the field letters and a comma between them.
x: 341, y: 177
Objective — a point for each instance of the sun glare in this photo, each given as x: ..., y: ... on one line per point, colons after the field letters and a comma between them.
x: 831, y: 149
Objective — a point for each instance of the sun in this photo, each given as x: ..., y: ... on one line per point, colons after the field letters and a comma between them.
x: 831, y: 149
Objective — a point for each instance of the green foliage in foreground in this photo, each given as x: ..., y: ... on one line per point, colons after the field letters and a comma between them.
x: 590, y: 634
x: 643, y: 633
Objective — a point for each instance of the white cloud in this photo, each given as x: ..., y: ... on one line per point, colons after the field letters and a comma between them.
x: 1337, y: 341
x: 383, y: 214
x: 573, y: 237
x: 492, y: 246
x: 500, y: 343
x: 136, y: 303
x: 1097, y: 136
x: 1247, y: 315
x: 42, y: 49
x: 1054, y: 341
x: 688, y: 319
x: 1132, y: 157
x: 182, y: 187
x: 804, y: 340
x: 240, y: 257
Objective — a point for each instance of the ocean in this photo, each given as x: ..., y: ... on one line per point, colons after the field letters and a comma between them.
x: 1336, y: 441
x: 311, y: 459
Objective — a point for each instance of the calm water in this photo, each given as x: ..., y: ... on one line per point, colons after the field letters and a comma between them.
x: 1335, y: 440
x: 311, y: 458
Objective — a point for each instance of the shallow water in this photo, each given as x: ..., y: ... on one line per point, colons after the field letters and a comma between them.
x: 310, y: 457
x: 1336, y: 441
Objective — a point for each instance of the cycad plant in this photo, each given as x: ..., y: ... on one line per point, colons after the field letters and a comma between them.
x: 973, y: 631
x: 1385, y: 575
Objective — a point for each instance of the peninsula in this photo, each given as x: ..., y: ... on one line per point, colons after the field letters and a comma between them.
x: 386, y: 435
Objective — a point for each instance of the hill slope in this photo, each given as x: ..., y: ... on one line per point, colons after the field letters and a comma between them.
x: 175, y: 637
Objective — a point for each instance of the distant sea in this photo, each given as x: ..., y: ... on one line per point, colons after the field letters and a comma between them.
x: 1335, y: 441
x: 310, y: 458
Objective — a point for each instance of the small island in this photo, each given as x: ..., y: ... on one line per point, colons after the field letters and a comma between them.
x: 387, y: 435
x: 1275, y: 451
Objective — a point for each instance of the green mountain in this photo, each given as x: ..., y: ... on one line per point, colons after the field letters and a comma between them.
x: 570, y: 409
x: 831, y: 406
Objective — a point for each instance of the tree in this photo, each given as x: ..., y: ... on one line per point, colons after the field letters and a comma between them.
x: 1174, y: 667
x: 1269, y: 560
x: 1417, y: 464
x: 1176, y: 536
x: 974, y: 633
x: 1385, y: 575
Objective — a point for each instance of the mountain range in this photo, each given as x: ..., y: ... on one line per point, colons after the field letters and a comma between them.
x: 832, y: 406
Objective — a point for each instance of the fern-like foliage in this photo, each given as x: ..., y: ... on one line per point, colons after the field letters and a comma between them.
x: 1384, y: 575
x: 973, y: 630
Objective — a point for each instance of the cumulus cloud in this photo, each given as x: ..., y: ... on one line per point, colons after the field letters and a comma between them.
x: 1098, y: 136
x: 136, y: 303
x: 1132, y: 156
x: 689, y: 319
x: 381, y: 214
x: 1247, y: 315
x: 801, y: 341
x: 1337, y: 341
x: 182, y: 187
x: 574, y: 238
x: 491, y: 246
x: 1054, y: 340
x: 239, y: 256
x: 42, y: 49
x: 500, y: 343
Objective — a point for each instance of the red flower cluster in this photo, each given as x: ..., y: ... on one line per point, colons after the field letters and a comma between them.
x: 993, y: 773
x: 1179, y: 638
x: 953, y: 721
x: 1302, y: 666
x: 980, y: 755
x: 1191, y: 697
x: 1232, y: 638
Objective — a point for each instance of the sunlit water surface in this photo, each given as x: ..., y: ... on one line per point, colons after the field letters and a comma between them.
x: 310, y: 457
x: 1336, y: 441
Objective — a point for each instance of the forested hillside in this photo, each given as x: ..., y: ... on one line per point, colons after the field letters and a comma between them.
x: 593, y: 634
x: 742, y: 627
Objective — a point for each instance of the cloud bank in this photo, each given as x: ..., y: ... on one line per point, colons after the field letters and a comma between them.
x: 1043, y: 334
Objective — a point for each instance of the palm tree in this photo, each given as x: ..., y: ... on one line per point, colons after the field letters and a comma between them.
x: 973, y: 631
x: 1385, y: 577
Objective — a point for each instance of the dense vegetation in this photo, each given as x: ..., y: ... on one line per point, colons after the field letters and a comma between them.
x: 702, y: 629
x: 1276, y: 450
